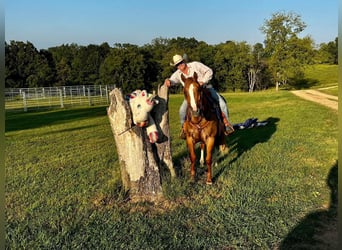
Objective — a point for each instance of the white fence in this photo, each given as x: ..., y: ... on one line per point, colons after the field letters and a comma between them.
x: 49, y: 97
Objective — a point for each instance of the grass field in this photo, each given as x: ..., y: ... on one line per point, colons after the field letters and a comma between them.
x: 273, y: 190
x: 323, y: 77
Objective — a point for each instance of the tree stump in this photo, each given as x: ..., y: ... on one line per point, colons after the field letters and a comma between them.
x: 160, y: 114
x: 140, y: 160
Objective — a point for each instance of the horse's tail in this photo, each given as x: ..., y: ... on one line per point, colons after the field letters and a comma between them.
x: 220, y: 136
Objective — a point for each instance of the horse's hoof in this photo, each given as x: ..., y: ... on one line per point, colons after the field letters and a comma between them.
x: 209, y: 183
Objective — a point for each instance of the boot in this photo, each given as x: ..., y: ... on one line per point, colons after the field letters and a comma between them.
x: 228, y: 127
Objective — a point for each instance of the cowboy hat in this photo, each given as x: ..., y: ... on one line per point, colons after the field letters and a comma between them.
x: 176, y: 60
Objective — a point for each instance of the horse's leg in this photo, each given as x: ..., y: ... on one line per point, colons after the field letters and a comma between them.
x: 223, y: 145
x: 191, y: 148
x: 210, y: 146
x: 202, y: 154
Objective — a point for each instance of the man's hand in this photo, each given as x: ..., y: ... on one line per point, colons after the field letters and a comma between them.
x: 167, y: 82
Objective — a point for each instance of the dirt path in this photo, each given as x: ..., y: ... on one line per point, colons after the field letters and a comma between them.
x: 319, y: 97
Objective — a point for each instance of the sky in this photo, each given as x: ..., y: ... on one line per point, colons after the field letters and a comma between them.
x: 49, y: 23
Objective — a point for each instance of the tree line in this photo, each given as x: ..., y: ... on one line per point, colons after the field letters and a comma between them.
x: 281, y: 59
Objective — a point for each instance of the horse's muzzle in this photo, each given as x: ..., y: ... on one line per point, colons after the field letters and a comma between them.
x: 196, y: 113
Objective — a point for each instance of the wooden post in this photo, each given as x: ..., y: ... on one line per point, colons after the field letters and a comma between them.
x: 61, y: 98
x: 24, y: 101
x: 107, y: 94
x: 139, y: 159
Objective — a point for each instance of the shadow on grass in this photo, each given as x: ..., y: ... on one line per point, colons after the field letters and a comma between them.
x: 317, y: 230
x: 36, y: 119
x: 239, y: 142
x: 243, y: 140
x: 303, y: 83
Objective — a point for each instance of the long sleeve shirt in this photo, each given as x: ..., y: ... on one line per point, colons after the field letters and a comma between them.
x: 204, y: 73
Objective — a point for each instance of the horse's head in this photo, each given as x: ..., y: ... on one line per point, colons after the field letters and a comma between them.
x: 141, y: 104
x: 192, y: 92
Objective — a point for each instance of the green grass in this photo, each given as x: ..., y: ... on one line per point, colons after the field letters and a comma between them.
x: 63, y: 188
x: 322, y: 77
x: 330, y: 91
x: 325, y: 75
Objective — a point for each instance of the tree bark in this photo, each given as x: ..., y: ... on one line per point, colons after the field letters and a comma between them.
x: 140, y: 160
x: 161, y: 117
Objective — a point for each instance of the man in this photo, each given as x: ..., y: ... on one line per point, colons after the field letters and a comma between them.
x: 204, y: 74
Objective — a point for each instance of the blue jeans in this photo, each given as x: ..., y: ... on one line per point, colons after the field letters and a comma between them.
x: 216, y: 96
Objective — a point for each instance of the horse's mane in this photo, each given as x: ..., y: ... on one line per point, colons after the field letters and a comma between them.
x: 208, y: 104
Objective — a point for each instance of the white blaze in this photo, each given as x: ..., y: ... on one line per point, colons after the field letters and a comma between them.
x: 192, y: 98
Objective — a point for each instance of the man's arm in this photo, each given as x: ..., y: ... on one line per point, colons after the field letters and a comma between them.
x: 206, y: 73
x: 173, y: 80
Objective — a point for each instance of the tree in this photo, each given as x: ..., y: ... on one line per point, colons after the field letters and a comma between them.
x: 26, y: 66
x: 231, y: 65
x: 328, y: 52
x: 260, y: 67
x: 63, y: 56
x: 49, y: 68
x: 12, y: 77
x: 287, y: 53
x: 256, y: 68
x: 63, y: 73
x: 85, y: 66
x: 125, y: 67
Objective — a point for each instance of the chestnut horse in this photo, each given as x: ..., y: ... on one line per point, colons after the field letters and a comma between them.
x: 202, y: 124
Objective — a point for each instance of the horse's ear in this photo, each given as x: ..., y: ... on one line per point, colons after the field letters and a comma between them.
x: 195, y: 76
x: 183, y: 77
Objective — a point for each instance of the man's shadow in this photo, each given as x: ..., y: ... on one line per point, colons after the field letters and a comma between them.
x: 317, y: 230
x: 243, y: 140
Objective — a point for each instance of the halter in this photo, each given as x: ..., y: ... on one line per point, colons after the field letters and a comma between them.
x: 196, y: 125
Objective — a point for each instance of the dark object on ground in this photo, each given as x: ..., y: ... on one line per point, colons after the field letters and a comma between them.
x: 250, y: 123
